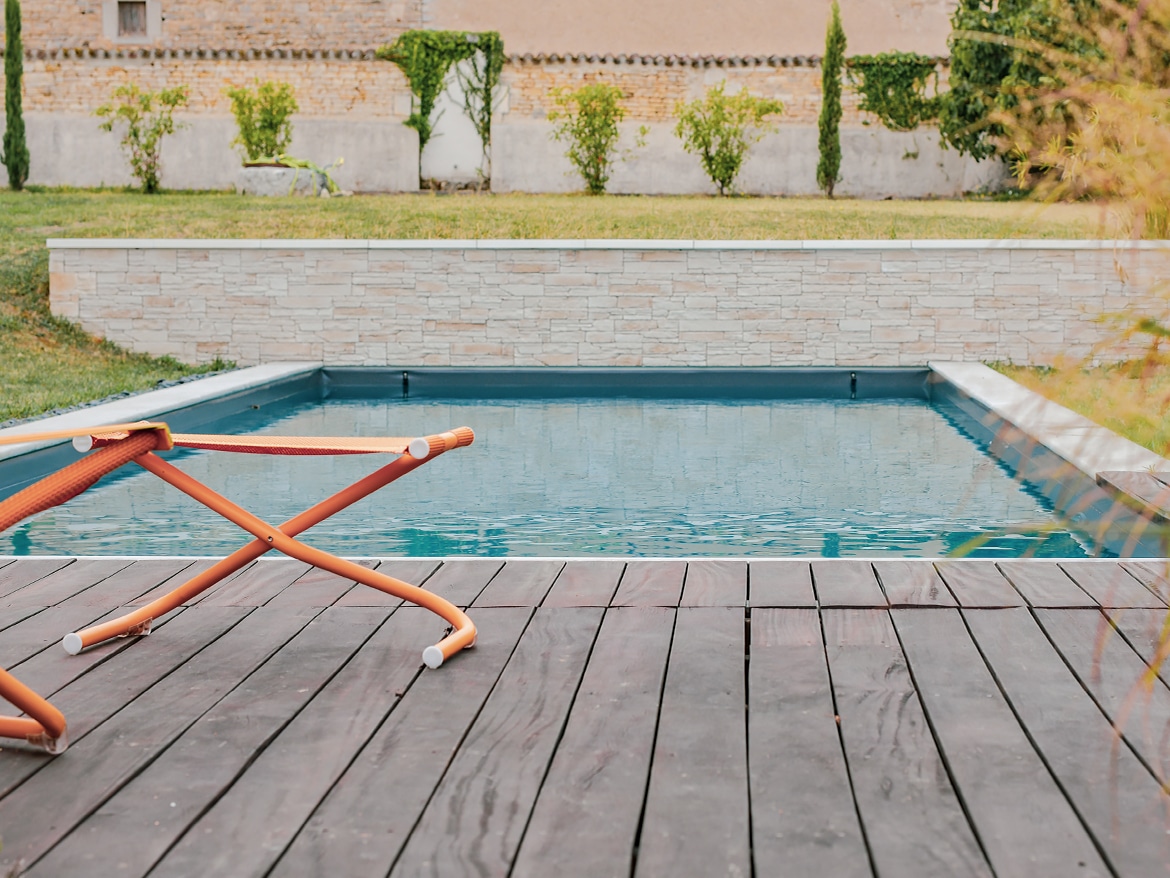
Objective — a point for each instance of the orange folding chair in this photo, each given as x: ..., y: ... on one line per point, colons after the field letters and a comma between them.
x: 119, y: 444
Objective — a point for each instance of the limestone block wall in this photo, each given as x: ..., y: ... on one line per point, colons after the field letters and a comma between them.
x: 225, y: 24
x: 608, y: 303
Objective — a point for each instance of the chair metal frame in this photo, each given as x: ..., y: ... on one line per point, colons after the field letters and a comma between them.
x: 119, y: 444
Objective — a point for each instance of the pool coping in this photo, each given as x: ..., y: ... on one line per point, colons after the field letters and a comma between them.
x: 153, y: 404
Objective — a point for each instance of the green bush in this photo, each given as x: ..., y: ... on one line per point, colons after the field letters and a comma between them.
x: 149, y: 117
x: 262, y: 117
x: 588, y: 120
x: 894, y: 85
x: 829, y: 123
x: 14, y: 153
x: 720, y: 128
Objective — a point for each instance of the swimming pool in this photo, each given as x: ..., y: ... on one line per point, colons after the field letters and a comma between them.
x: 579, y: 477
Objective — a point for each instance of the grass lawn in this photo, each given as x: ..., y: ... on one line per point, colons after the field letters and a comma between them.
x: 46, y: 363
x: 1129, y: 398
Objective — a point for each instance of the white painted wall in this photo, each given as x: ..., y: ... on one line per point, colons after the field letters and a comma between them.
x: 70, y: 150
x: 454, y: 153
x: 875, y: 163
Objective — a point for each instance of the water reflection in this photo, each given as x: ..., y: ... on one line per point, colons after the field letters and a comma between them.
x: 633, y: 477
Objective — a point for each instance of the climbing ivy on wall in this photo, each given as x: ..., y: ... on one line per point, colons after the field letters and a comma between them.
x: 893, y: 86
x: 479, y: 85
x: 426, y: 56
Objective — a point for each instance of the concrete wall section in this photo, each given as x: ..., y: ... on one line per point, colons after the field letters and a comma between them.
x: 380, y: 155
x: 654, y: 303
x: 875, y: 163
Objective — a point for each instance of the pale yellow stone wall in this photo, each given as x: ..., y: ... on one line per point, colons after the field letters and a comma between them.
x: 324, y: 88
x: 727, y: 27
x: 614, y: 304
x: 229, y: 24
x: 653, y: 90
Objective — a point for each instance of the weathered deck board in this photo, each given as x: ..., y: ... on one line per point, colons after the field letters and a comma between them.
x: 318, y: 588
x: 520, y: 584
x: 1129, y: 822
x: 696, y: 818
x: 781, y: 583
x: 1110, y: 585
x: 1003, y: 782
x: 315, y: 748
x: 411, y: 571
x: 166, y: 587
x: 804, y: 820
x: 62, y: 584
x: 1045, y: 585
x: 476, y: 818
x: 715, y: 583
x: 460, y: 580
x: 651, y: 584
x: 913, y: 583
x: 978, y: 584
x: 1153, y: 574
x: 24, y: 571
x: 303, y: 737
x: 257, y: 585
x: 1144, y: 630
x: 358, y: 829
x: 912, y: 816
x: 52, y: 668
x: 116, y: 751
x: 151, y: 811
x: 1109, y: 669
x: 589, y: 583
x: 585, y: 820
x: 847, y: 584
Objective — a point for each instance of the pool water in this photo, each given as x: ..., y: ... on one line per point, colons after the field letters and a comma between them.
x: 595, y: 477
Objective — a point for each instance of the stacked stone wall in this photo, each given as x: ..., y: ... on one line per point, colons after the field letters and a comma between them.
x: 652, y: 90
x: 229, y: 24
x: 525, y: 303
x: 363, y: 88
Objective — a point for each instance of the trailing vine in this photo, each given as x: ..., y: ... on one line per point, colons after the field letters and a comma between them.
x: 894, y: 85
x: 427, y: 56
x: 480, y: 86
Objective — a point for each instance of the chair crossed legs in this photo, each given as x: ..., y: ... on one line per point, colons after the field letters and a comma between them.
x: 119, y: 444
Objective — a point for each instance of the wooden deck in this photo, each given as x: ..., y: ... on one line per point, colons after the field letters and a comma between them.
x: 637, y: 718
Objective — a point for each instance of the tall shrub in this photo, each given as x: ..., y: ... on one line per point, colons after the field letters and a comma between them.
x: 149, y: 117
x: 14, y: 154
x: 720, y: 128
x: 262, y: 117
x: 829, y: 123
x: 587, y: 119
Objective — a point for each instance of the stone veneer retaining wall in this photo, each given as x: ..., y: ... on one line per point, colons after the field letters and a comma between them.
x: 603, y: 303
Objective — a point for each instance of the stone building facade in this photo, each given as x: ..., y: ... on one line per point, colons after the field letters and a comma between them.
x: 352, y: 105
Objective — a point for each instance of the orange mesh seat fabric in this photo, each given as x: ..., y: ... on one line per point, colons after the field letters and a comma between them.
x: 297, y: 445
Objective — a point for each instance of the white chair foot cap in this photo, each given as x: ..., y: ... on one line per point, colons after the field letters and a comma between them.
x: 432, y: 656
x: 419, y: 449
x: 72, y: 643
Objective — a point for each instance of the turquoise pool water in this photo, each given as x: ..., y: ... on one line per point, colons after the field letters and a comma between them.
x: 584, y: 477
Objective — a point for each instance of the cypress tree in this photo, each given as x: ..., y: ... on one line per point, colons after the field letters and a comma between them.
x: 829, y: 123
x: 14, y: 154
